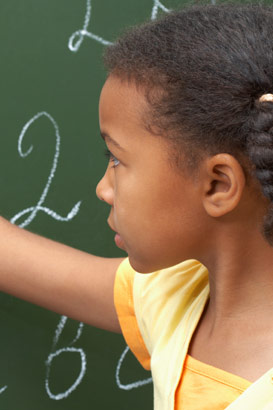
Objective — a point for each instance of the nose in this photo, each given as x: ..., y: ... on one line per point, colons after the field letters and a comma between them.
x: 104, y: 190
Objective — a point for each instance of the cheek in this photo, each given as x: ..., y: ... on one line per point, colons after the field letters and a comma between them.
x: 157, y: 221
x: 147, y: 204
x: 153, y: 235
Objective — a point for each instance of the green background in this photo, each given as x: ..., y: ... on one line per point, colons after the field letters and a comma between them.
x: 39, y: 73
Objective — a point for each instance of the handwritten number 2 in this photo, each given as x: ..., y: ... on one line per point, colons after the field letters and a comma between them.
x: 33, y: 210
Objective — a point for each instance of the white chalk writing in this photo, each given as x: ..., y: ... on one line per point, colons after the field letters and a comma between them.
x: 129, y: 386
x: 78, y: 36
x: 158, y: 5
x: 33, y: 210
x: 58, y: 352
x: 2, y: 389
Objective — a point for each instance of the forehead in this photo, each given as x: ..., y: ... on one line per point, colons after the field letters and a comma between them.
x: 121, y: 101
x: 123, y: 110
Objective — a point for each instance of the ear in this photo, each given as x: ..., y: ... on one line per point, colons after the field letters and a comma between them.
x: 224, y: 183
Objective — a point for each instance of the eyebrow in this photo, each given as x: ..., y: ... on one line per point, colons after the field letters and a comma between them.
x: 109, y: 139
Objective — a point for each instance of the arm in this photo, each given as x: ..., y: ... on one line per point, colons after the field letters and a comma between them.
x: 58, y: 277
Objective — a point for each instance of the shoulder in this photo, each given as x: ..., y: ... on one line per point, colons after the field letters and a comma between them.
x: 152, y: 306
x: 160, y: 299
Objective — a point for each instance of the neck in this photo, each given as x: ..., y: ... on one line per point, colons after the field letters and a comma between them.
x: 241, y: 281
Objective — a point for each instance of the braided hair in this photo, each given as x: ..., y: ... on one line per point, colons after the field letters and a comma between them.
x: 259, y: 148
x: 204, y: 70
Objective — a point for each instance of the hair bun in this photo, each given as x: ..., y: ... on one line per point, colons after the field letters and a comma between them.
x: 266, y: 98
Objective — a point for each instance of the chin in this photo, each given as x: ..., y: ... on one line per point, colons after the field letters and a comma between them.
x: 142, y: 266
x: 139, y: 265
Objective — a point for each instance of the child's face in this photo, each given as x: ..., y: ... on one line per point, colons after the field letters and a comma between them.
x: 154, y: 208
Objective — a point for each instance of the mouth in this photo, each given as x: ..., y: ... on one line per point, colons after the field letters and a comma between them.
x: 119, y: 242
x: 118, y: 239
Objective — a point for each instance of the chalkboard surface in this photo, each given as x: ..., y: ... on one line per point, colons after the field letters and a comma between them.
x: 51, y: 160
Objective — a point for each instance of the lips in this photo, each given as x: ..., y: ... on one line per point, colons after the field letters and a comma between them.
x: 118, y: 239
x: 119, y: 242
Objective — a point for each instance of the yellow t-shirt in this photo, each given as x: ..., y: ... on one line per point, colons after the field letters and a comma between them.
x: 205, y: 387
x: 158, y: 313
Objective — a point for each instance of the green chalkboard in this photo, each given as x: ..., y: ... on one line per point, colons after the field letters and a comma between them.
x: 51, y: 160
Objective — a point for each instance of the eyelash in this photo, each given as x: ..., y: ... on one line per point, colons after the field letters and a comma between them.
x: 111, y: 157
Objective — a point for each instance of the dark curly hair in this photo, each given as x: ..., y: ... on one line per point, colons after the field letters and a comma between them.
x: 203, y: 70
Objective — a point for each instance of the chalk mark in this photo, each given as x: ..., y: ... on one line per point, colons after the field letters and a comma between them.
x: 67, y: 392
x: 77, y: 37
x: 58, y: 332
x: 3, y: 389
x: 133, y: 385
x: 158, y: 5
x: 38, y: 207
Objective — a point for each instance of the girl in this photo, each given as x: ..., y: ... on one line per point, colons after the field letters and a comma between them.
x: 187, y: 116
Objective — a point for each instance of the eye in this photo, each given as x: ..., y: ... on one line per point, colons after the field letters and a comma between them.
x: 111, y: 158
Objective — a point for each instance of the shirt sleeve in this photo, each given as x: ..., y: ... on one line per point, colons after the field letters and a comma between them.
x: 124, y: 303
